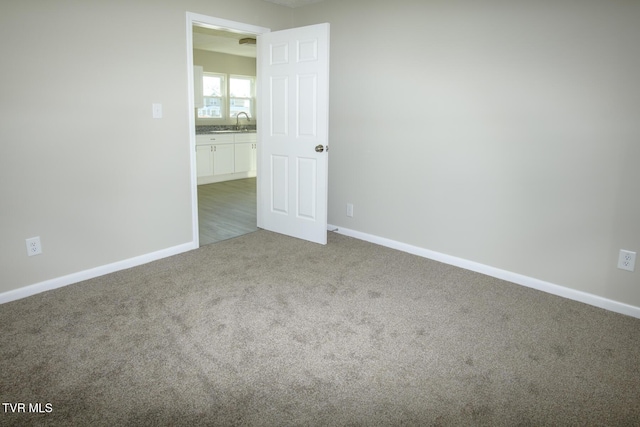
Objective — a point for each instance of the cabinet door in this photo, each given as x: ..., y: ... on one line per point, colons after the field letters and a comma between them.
x: 223, y: 159
x: 245, y: 157
x: 204, y: 160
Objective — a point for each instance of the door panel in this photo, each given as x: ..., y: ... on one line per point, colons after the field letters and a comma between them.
x: 307, y: 174
x: 279, y: 105
x: 293, y: 68
x: 307, y: 104
x: 280, y: 185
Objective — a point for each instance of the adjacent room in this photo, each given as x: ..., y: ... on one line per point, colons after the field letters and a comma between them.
x: 226, y: 140
x: 479, y: 204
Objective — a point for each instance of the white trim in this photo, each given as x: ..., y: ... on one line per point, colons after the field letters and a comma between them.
x: 223, y: 24
x: 70, y: 279
x: 195, y: 230
x: 498, y: 273
x: 217, y: 23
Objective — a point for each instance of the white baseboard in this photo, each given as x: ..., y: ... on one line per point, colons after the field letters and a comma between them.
x: 70, y: 279
x: 508, y: 276
x: 519, y: 279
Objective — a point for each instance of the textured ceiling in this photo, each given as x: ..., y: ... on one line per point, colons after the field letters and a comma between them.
x: 293, y: 3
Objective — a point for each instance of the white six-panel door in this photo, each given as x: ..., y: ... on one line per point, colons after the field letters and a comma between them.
x: 293, y: 102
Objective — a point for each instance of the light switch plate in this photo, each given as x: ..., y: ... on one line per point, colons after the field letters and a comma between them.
x: 156, y: 111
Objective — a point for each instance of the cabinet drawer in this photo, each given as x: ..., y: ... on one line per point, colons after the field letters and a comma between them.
x: 214, y: 139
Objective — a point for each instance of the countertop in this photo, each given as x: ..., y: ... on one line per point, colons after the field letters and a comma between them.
x: 221, y: 130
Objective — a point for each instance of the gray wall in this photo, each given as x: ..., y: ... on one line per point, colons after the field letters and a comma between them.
x: 505, y: 133
x: 82, y: 163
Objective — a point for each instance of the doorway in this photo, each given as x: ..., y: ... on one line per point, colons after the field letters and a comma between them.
x: 292, y: 145
x: 227, y: 207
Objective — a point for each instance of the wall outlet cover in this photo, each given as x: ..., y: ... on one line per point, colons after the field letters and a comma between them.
x: 627, y: 260
x: 350, y: 210
x: 33, y: 246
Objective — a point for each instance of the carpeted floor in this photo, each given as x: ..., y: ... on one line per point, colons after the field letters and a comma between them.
x: 268, y: 330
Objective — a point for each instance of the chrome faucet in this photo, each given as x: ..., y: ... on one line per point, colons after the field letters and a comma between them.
x: 238, y: 119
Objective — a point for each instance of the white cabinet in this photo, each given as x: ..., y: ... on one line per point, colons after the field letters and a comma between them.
x: 204, y: 160
x: 246, y: 148
x: 223, y: 157
x: 245, y: 157
x: 212, y: 160
x: 214, y: 156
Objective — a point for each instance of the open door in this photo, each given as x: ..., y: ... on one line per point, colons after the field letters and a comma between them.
x: 293, y: 108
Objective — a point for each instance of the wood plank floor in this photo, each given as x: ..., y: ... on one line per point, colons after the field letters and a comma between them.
x: 226, y: 209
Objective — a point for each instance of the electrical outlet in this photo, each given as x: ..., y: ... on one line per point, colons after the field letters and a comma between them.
x: 33, y: 246
x: 350, y: 210
x: 627, y: 260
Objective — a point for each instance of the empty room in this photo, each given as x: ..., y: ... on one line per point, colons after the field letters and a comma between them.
x: 447, y: 201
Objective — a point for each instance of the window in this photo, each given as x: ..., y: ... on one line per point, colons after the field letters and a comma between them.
x: 214, y: 91
x: 241, y: 94
x: 217, y: 105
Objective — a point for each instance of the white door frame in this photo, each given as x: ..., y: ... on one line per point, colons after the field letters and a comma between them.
x: 220, y: 24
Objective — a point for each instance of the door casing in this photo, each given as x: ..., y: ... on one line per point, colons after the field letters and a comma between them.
x: 220, y: 24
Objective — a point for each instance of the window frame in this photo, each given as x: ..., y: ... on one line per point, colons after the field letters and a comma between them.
x: 223, y: 96
x: 251, y: 98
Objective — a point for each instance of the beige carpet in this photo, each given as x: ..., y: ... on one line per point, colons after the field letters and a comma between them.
x: 268, y: 330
